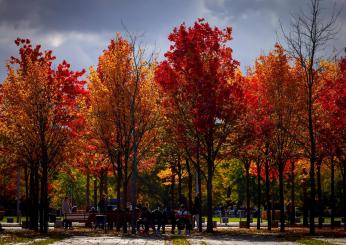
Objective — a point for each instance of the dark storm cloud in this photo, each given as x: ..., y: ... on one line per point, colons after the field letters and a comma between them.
x: 91, y: 15
x: 78, y: 30
x: 256, y: 23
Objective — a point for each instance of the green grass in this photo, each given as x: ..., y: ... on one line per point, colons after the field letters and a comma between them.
x: 312, y: 241
x: 180, y: 241
x: 217, y: 219
x: 30, y: 237
x: 13, y: 239
x: 22, y: 218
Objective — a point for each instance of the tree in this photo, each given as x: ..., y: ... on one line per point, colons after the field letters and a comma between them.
x: 278, y: 88
x: 40, y: 110
x: 308, y: 36
x: 331, y: 126
x: 198, y: 81
x: 124, y: 109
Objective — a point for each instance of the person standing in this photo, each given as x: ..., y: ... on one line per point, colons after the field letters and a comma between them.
x: 66, y: 208
x: 196, y: 210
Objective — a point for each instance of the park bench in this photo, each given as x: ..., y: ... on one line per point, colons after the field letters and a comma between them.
x: 81, y: 217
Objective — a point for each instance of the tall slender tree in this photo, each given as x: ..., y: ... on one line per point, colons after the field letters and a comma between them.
x: 198, y: 80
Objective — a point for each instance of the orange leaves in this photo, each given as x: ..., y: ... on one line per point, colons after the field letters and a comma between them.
x: 40, y: 104
x: 123, y: 100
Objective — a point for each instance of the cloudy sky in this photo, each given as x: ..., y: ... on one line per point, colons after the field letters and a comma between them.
x: 78, y: 30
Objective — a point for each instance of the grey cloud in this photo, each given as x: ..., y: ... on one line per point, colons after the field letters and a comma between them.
x: 78, y: 30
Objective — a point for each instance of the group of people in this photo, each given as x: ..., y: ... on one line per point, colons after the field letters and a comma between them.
x: 160, y: 217
x: 157, y: 219
x: 181, y: 218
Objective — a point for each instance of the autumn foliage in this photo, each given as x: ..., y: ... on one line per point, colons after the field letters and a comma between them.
x: 181, y: 119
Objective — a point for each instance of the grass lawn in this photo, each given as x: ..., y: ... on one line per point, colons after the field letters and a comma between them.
x: 312, y: 241
x: 29, y: 237
x: 179, y: 240
x: 22, y: 218
x: 217, y: 218
x: 14, y: 239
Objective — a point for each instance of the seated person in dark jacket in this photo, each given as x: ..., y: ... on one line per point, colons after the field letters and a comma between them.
x: 183, y: 220
x: 145, y: 219
x: 157, y: 219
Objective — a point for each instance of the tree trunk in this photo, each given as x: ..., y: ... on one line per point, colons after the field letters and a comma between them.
x: 172, y: 187
x: 125, y: 185
x: 312, y: 160
x: 319, y: 194
x: 247, y: 169
x: 125, y: 200
x: 101, y: 185
x: 258, y: 194
x: 87, y: 188
x: 293, y: 204
x: 134, y: 183
x: 189, y: 184
x: 269, y: 217
x: 44, y: 201
x: 332, y: 192
x: 281, y: 191
x: 119, y: 178
x: 210, y: 191
x: 33, y: 196
x: 344, y: 190
x: 26, y: 176
x: 18, y: 193
x: 305, y: 204
x: 106, y: 182
x: 199, y: 183
x: 95, y: 192
x: 179, y: 178
x: 36, y: 198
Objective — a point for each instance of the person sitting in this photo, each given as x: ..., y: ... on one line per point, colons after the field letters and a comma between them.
x: 157, y: 219
x: 91, y: 218
x: 145, y: 219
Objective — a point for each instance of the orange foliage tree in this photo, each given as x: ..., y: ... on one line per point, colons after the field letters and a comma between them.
x: 124, y: 111
x: 40, y: 117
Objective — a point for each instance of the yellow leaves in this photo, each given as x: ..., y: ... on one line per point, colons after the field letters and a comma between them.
x: 166, y: 176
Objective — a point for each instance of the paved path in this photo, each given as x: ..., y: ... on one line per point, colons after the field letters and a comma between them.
x: 239, y: 240
x: 215, y: 240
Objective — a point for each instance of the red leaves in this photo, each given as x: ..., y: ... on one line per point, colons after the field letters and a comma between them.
x: 197, y: 71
